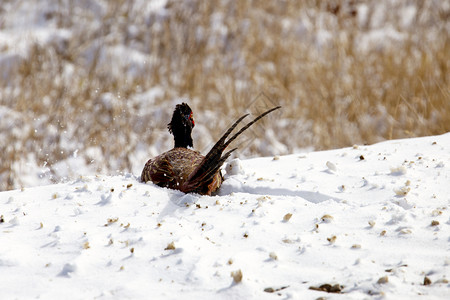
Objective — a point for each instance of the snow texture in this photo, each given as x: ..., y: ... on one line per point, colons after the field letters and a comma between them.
x: 364, y: 222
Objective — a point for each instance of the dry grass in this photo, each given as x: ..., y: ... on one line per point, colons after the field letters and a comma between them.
x: 82, y: 93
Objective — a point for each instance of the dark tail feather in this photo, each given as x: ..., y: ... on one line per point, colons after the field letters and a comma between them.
x: 214, y: 160
x: 201, y: 183
x: 221, y: 142
x: 248, y: 125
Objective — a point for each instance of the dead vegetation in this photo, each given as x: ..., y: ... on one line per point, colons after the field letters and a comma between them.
x: 346, y: 72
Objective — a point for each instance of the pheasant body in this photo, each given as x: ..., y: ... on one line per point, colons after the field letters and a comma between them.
x: 185, y: 169
x: 172, y: 169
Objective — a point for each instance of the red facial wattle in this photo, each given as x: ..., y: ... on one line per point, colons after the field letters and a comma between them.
x: 191, y: 117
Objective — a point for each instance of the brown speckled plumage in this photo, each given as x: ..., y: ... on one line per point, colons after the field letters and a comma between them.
x: 172, y: 169
x: 185, y: 169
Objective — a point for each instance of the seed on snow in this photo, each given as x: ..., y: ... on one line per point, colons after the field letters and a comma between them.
x: 111, y: 220
x: 383, y: 280
x: 434, y: 223
x: 332, y: 239
x: 170, y: 246
x: 403, y: 191
x: 237, y: 276
x: 287, y: 217
x: 327, y: 218
x: 405, y: 231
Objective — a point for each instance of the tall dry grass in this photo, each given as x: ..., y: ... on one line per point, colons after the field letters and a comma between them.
x: 339, y: 85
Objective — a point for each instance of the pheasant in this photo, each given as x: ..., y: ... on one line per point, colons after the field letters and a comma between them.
x: 187, y: 170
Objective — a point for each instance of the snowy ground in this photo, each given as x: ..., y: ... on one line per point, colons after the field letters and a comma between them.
x: 372, y: 219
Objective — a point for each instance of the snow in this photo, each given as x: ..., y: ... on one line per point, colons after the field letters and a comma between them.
x: 373, y: 220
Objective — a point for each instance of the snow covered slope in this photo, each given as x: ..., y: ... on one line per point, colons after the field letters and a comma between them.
x: 369, y: 221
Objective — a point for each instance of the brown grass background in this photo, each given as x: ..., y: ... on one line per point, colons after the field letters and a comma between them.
x: 103, y: 87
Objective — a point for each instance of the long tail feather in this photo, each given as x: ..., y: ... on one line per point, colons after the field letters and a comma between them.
x: 221, y: 141
x: 214, y: 160
x: 249, y: 124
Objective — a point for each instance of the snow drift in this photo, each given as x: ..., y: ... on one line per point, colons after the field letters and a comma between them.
x: 355, y: 222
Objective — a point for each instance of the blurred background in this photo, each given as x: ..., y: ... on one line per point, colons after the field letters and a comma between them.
x: 88, y: 87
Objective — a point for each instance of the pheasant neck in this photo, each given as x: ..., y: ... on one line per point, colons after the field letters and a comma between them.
x: 183, y: 140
